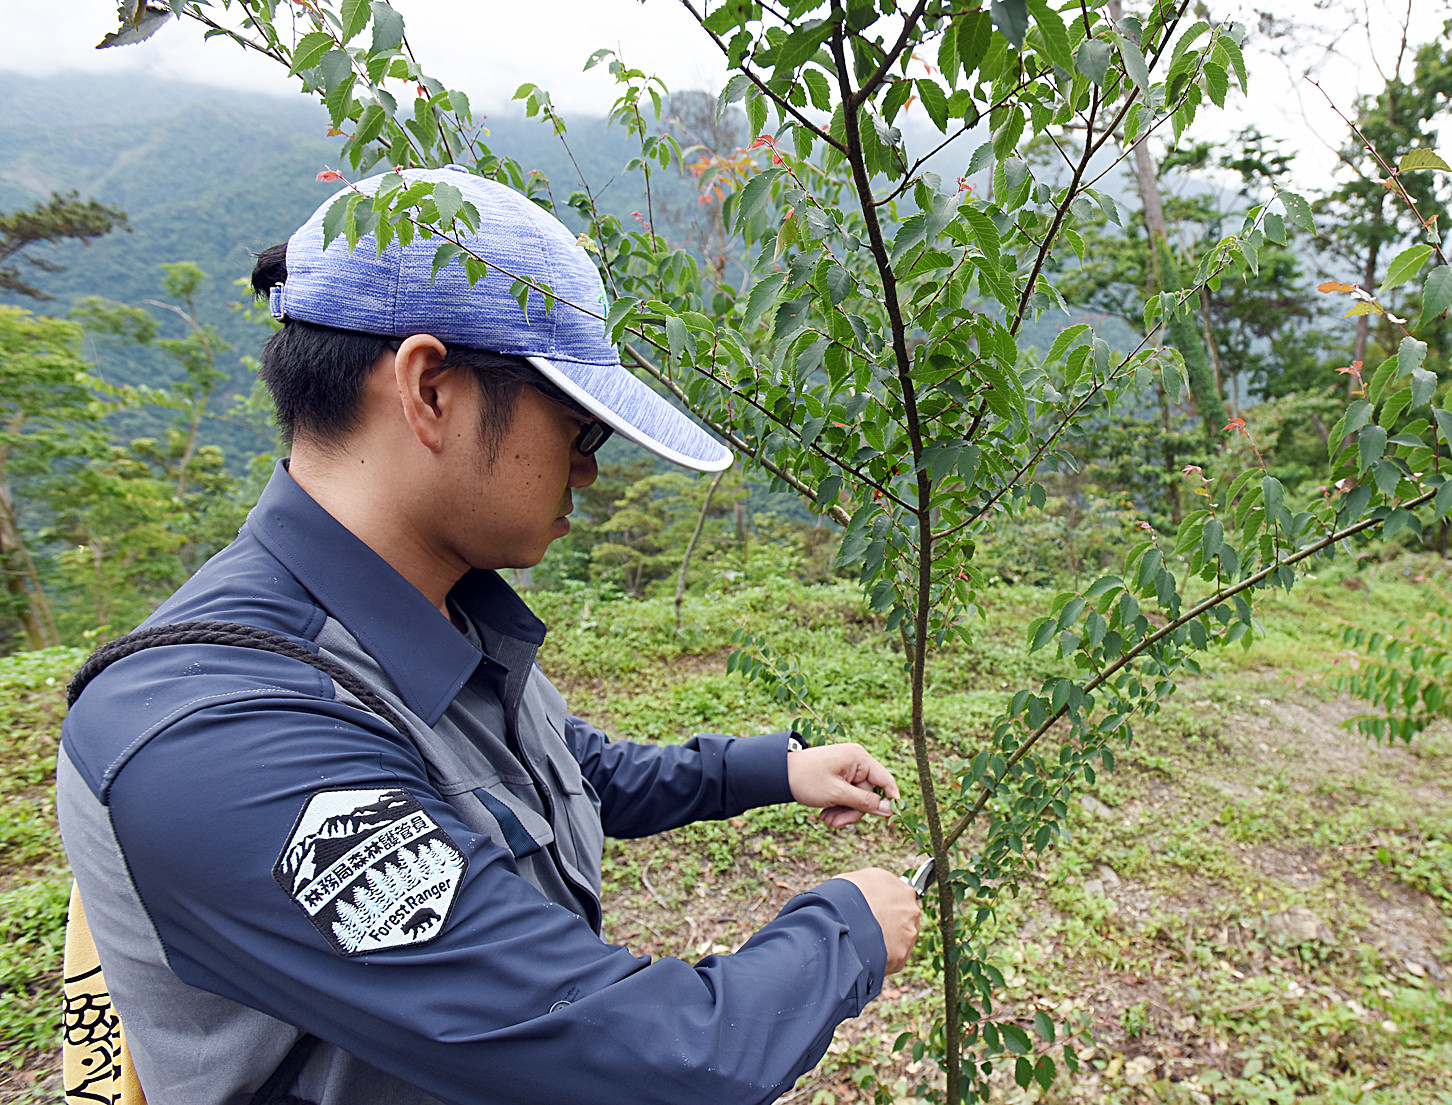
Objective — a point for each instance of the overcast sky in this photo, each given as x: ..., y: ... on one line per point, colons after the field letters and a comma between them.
x: 488, y: 47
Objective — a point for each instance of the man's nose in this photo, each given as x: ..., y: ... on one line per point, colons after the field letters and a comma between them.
x: 583, y: 469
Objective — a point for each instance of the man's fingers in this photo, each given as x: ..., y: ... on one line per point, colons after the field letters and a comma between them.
x: 862, y: 796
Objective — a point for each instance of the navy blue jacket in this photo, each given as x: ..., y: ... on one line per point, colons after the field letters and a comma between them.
x: 263, y: 857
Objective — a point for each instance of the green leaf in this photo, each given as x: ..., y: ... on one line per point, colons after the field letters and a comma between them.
x: 1442, y: 504
x: 762, y: 296
x: 355, y: 17
x: 1444, y: 425
x: 310, y: 50
x: 1044, y: 1070
x: 1404, y: 266
x: 1436, y: 294
x: 1015, y: 1039
x: 974, y: 31
x: 1134, y: 62
x: 1298, y: 211
x: 754, y: 196
x: 1011, y: 18
x: 935, y: 102
x: 619, y: 316
x: 1044, y: 1026
x: 1410, y: 355
x: 1065, y: 338
x: 679, y: 338
x: 1023, y: 1072
x: 1093, y: 58
x: 446, y: 252
x: 1424, y: 386
x: 1420, y: 159
x: 370, y: 124
x: 387, y: 28
x: 1056, y: 38
x: 1217, y: 83
x: 448, y: 200
x: 336, y: 220
x: 1370, y: 444
x: 817, y: 88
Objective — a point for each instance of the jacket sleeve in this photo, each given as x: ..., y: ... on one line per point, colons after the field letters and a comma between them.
x: 511, y: 998
x: 647, y: 788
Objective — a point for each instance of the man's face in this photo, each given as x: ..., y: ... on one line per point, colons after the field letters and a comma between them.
x: 521, y: 497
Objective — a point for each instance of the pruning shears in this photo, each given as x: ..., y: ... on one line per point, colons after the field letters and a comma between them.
x: 923, y: 877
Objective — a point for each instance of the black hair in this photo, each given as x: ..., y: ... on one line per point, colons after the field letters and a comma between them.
x: 316, y: 374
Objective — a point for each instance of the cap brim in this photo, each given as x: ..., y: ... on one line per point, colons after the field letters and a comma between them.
x: 630, y: 408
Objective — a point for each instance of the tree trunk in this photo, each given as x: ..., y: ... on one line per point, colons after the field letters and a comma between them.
x: 691, y: 547
x: 22, y: 580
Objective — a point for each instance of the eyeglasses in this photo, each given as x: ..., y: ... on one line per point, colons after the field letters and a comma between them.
x: 592, y: 436
x: 593, y: 433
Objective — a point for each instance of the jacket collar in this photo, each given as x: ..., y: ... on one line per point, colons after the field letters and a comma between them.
x: 422, y: 654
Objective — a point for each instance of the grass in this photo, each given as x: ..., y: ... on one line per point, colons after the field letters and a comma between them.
x: 1171, y: 925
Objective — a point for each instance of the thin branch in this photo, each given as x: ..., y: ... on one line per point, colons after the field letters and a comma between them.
x: 1249, y: 583
x: 834, y: 511
x: 780, y: 101
x: 869, y: 86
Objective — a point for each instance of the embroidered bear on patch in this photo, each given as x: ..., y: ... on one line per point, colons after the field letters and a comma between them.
x: 371, y: 869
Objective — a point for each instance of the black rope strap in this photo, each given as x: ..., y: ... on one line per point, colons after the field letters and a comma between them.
x: 239, y: 636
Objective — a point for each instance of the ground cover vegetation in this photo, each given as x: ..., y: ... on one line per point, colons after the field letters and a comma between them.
x: 1049, y: 537
x: 1252, y: 907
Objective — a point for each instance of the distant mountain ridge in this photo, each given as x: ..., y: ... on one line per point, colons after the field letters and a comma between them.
x: 205, y: 175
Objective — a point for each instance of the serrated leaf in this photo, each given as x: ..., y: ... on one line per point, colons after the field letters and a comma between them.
x: 1444, y: 425
x: 310, y: 50
x: 1424, y: 386
x: 974, y: 31
x: 1442, y: 504
x: 1092, y: 59
x: 1056, y: 38
x: 1436, y: 294
x: 1410, y: 355
x: 1011, y: 19
x: 754, y: 196
x: 355, y: 15
x: 1063, y: 340
x: 446, y: 252
x: 839, y: 283
x: 336, y: 219
x: 762, y: 296
x: 619, y: 316
x: 1370, y: 444
x: 1404, y: 266
x: 1421, y: 159
x: 935, y: 102
x: 1015, y: 1039
x: 1134, y: 64
x: 817, y: 88
x: 678, y: 338
x: 1044, y: 1026
x: 448, y: 200
x: 387, y: 28
x: 370, y: 124
x: 1298, y: 211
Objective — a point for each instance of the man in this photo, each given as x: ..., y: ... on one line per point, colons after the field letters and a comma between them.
x: 391, y: 894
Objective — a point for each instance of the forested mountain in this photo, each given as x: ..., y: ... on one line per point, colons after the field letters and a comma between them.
x: 204, y: 175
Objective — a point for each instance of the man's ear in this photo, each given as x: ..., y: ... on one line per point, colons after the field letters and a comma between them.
x: 428, y: 392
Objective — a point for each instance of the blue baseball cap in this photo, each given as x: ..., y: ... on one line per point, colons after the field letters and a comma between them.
x: 397, y: 294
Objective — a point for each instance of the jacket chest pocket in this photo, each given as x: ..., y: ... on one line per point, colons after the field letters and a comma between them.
x: 488, y: 805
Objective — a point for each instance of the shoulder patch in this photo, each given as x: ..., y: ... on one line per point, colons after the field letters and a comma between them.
x: 371, y: 869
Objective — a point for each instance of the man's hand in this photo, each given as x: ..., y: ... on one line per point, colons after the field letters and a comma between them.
x: 841, y: 781
x: 895, y: 905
